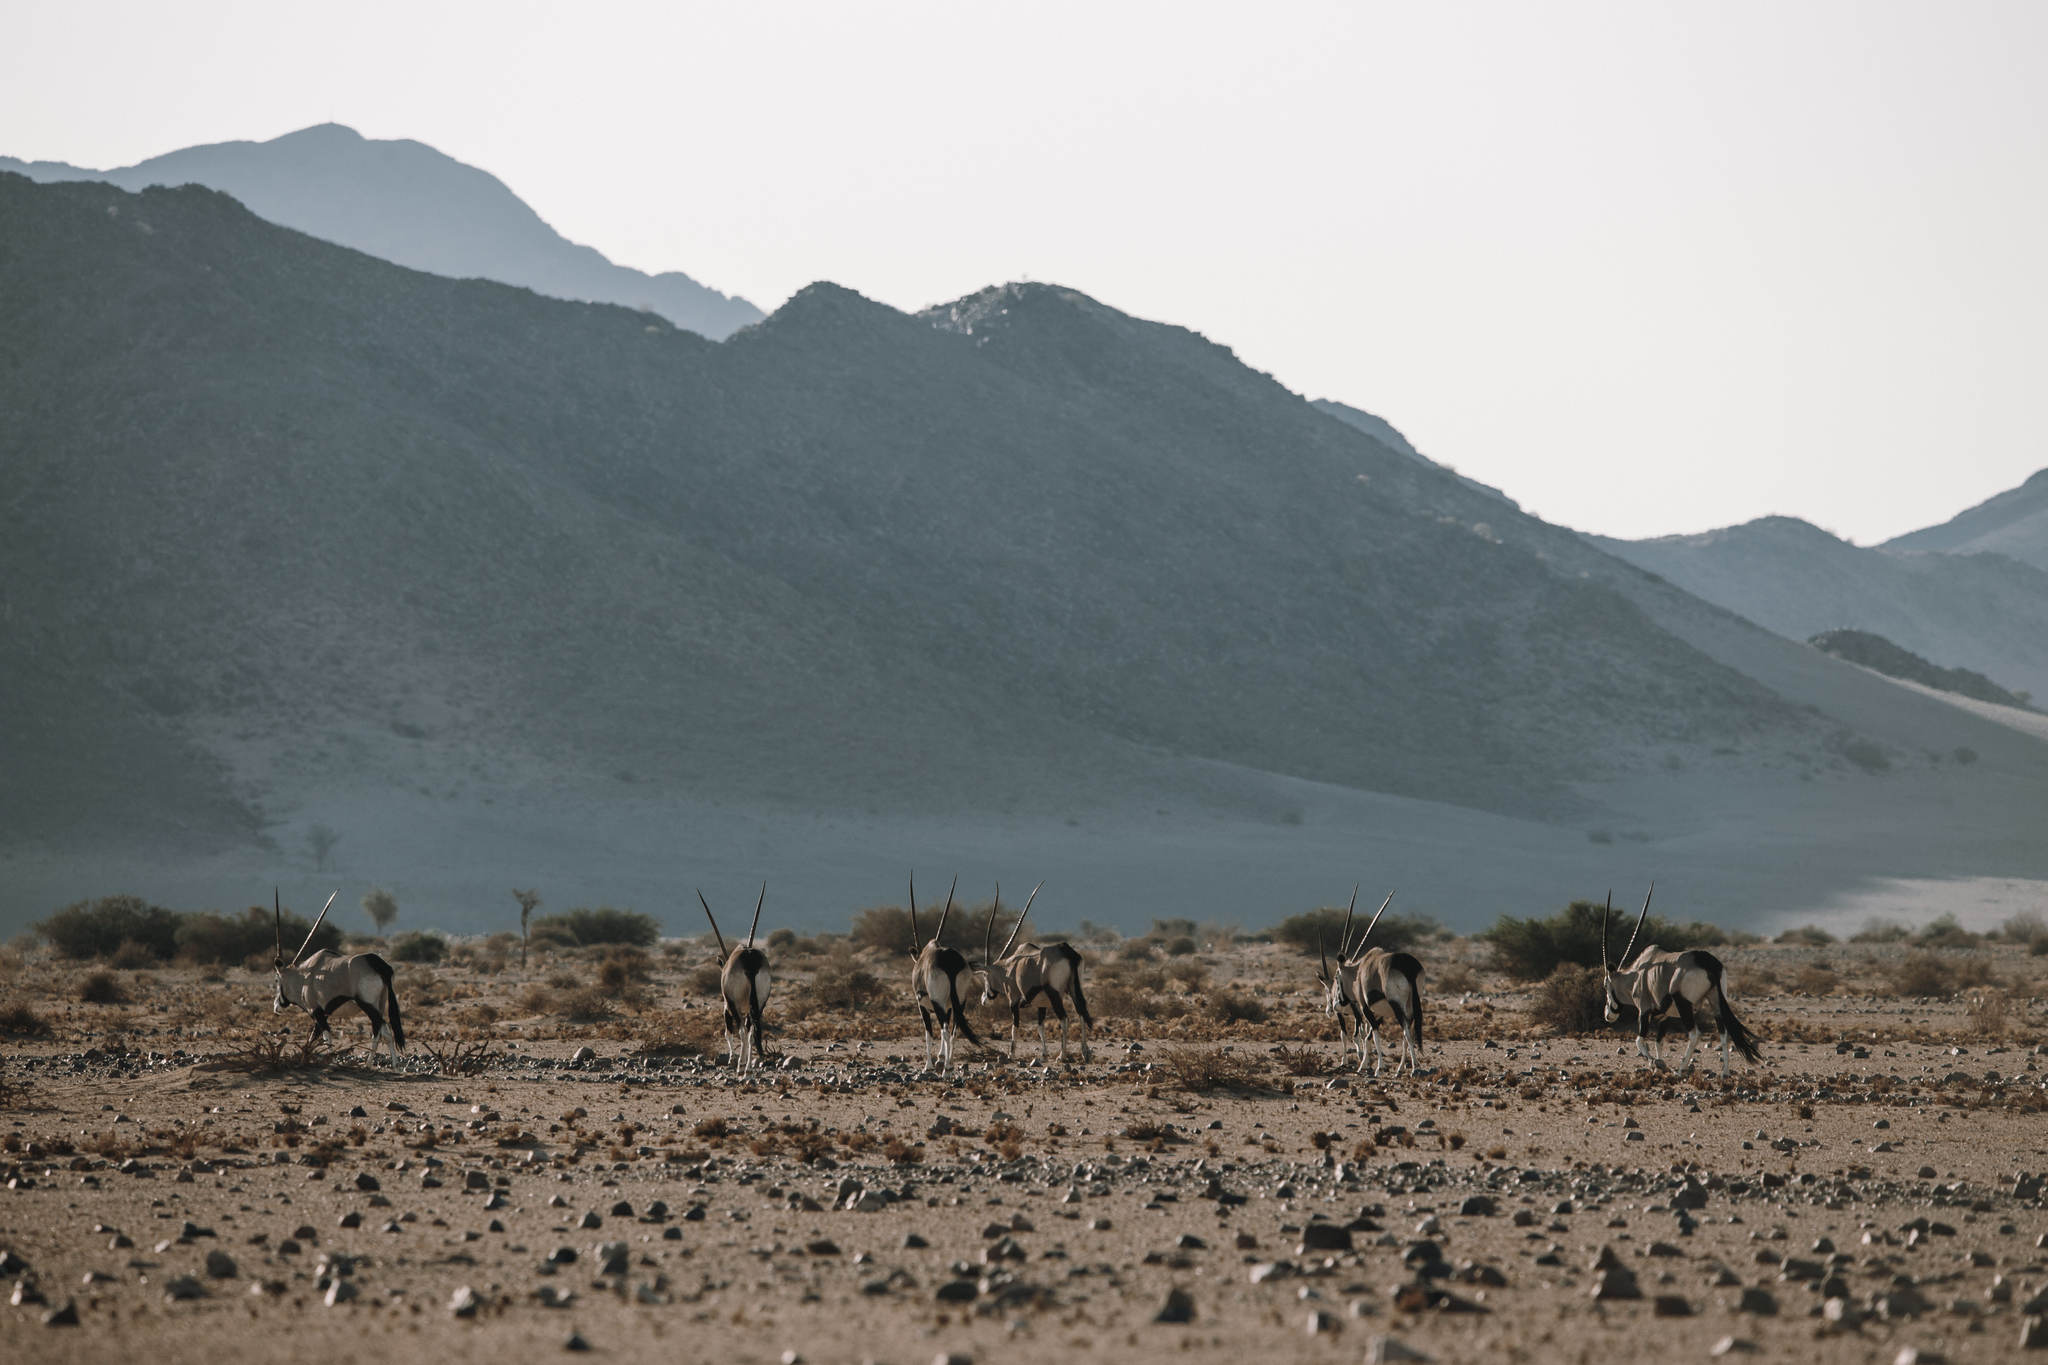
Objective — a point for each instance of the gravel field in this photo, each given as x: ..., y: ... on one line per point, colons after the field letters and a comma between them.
x: 185, y: 1186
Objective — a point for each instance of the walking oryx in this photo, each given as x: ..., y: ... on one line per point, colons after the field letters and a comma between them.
x: 935, y: 980
x: 1365, y: 977
x: 1654, y: 982
x: 1049, y: 970
x: 742, y: 988
x: 328, y: 980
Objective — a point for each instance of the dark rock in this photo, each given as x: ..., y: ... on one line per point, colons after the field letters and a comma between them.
x: 1325, y: 1237
x: 1671, y: 1306
x: 366, y: 1181
x: 463, y: 1303
x: 1179, y: 1307
x: 67, y: 1316
x: 1759, y: 1301
x: 1617, y: 1283
x: 220, y: 1265
x: 1478, y: 1206
x: 957, y: 1291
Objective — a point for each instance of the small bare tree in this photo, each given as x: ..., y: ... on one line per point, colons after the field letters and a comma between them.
x: 382, y: 908
x: 528, y: 900
x: 321, y: 841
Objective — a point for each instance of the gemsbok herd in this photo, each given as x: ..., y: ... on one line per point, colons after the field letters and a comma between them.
x: 1365, y: 987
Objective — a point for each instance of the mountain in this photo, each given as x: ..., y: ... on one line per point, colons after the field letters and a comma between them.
x: 289, y: 534
x: 1982, y: 612
x: 2014, y: 523
x: 405, y: 202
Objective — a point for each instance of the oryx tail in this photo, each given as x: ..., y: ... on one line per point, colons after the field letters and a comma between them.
x: 1741, y: 1037
x: 383, y: 971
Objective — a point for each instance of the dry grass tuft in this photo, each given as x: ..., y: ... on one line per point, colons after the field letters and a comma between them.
x: 454, y: 1055
x: 17, y: 1020
x: 102, y: 988
x: 1200, y: 1070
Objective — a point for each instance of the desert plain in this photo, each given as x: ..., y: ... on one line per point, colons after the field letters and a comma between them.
x: 561, y: 1165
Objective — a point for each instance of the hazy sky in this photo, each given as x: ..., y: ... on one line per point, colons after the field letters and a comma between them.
x: 1649, y: 268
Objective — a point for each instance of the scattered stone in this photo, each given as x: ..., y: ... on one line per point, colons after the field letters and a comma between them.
x: 1321, y: 1324
x: 1179, y: 1307
x: 340, y: 1292
x: 366, y: 1181
x: 1733, y: 1346
x: 1391, y: 1351
x: 1324, y: 1237
x: 220, y: 1265
x: 2034, y: 1333
x: 1478, y: 1206
x: 957, y: 1291
x: 1671, y: 1306
x: 463, y: 1303
x: 183, y: 1287
x: 67, y: 1316
x: 1759, y: 1301
x: 576, y: 1341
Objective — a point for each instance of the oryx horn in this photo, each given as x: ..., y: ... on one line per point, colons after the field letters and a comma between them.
x: 1344, y: 939
x: 316, y: 927
x: 1639, y: 926
x: 948, y: 910
x: 1322, y: 952
x: 722, y: 954
x: 915, y: 946
x: 1022, y: 915
x: 758, y: 900
x: 1375, y: 920
x: 988, y: 935
x: 1605, y: 911
x: 277, y: 909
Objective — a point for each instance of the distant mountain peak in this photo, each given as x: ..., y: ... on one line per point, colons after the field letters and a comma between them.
x: 406, y: 202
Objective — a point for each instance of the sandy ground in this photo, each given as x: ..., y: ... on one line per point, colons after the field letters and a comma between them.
x: 650, y: 1205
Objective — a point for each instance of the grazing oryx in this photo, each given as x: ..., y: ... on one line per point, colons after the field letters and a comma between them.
x: 1365, y: 977
x: 326, y: 981
x: 742, y: 987
x: 1654, y: 982
x: 1021, y: 976
x: 935, y: 980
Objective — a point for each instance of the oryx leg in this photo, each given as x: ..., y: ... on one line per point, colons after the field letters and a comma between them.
x: 1016, y: 1011
x: 1689, y: 1018
x: 1059, y: 1010
x: 925, y: 1015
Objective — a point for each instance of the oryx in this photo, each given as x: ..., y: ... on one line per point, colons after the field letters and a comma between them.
x: 1021, y: 975
x: 742, y: 987
x: 1654, y: 982
x: 326, y: 981
x: 1365, y: 977
x: 935, y: 976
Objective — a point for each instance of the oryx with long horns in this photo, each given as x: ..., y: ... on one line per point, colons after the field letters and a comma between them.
x: 742, y: 987
x: 326, y: 981
x: 935, y: 979
x: 1655, y: 982
x: 1051, y: 971
x: 1366, y: 977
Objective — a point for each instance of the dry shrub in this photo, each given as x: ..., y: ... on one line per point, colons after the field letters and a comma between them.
x: 1807, y: 935
x: 1816, y: 978
x: 1301, y: 1061
x: 585, y: 1005
x: 536, y: 999
x: 1456, y: 979
x: 453, y: 1055
x: 1989, y: 1013
x: 255, y: 1050
x: 1202, y: 1069
x: 1191, y: 973
x: 1570, y: 1000
x: 17, y: 1020
x: 1920, y: 974
x: 842, y: 981
x: 1233, y: 1006
x: 706, y: 980
x: 713, y: 1129
x: 1974, y: 971
x: 621, y: 969
x: 132, y: 956
x: 102, y: 988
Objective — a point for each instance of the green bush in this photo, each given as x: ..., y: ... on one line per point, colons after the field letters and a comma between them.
x: 1531, y: 949
x: 209, y: 938
x: 581, y: 928
x: 419, y: 947
x: 1395, y: 933
x: 87, y: 929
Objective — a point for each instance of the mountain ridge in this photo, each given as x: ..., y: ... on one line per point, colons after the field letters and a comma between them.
x: 403, y: 201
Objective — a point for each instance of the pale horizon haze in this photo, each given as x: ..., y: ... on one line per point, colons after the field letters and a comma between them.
x: 1649, y: 268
